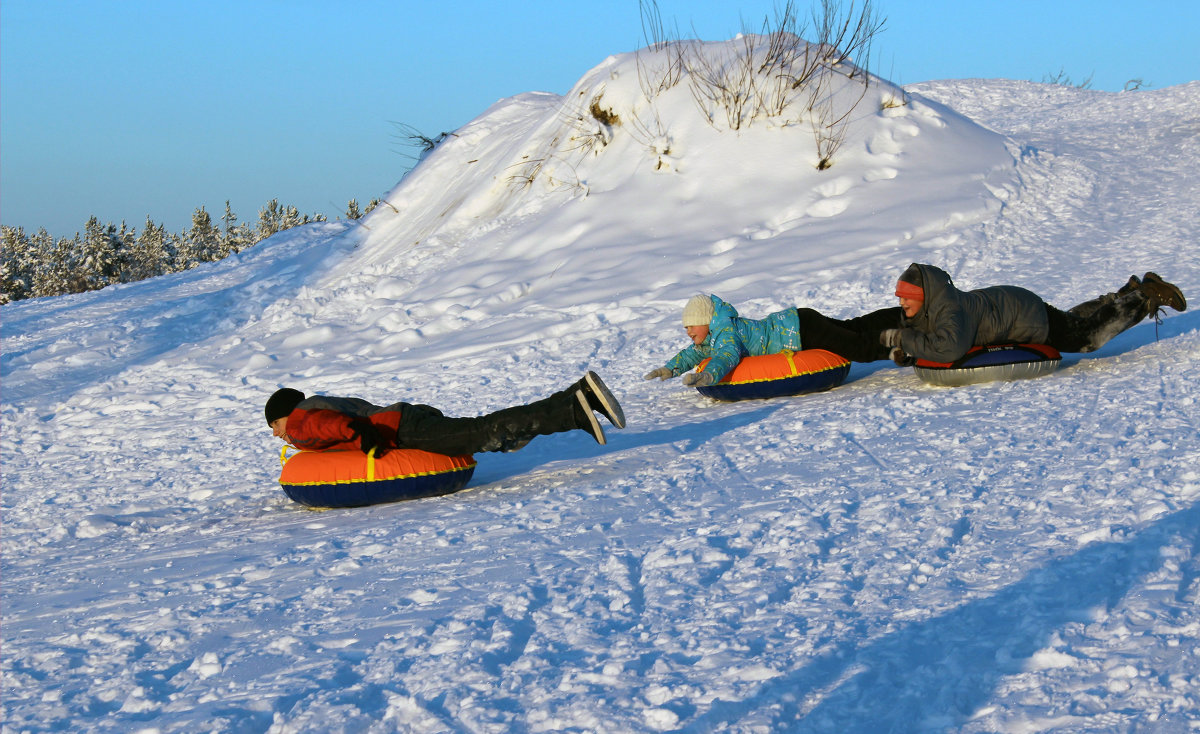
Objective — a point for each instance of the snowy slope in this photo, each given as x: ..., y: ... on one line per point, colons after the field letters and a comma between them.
x: 886, y: 556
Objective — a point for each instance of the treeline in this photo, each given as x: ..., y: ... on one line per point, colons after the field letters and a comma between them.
x: 38, y: 265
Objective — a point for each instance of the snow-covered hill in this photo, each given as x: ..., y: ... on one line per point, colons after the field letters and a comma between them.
x: 887, y: 556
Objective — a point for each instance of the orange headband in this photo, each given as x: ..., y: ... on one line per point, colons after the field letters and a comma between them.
x: 904, y: 289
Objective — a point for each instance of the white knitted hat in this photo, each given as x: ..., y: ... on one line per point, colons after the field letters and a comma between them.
x: 698, y: 311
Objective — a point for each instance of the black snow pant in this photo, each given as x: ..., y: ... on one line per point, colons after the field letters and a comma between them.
x: 856, y: 339
x: 424, y: 427
x: 1089, y: 326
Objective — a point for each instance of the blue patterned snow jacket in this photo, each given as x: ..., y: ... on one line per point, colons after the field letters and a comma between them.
x: 731, y: 337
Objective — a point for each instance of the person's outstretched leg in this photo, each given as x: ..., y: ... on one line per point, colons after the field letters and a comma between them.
x: 1087, y: 308
x: 1071, y: 333
x: 1090, y: 325
x: 425, y: 428
x: 874, y: 322
x: 855, y: 339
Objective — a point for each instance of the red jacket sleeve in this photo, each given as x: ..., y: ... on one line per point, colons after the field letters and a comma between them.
x: 318, y: 430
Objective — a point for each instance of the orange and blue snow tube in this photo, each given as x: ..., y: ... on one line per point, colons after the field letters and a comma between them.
x: 779, y: 375
x: 354, y: 479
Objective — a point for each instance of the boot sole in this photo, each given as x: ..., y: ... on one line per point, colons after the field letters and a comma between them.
x: 608, y: 404
x: 593, y: 426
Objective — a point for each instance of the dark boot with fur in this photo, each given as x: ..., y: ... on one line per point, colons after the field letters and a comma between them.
x: 1087, y: 308
x: 1071, y: 332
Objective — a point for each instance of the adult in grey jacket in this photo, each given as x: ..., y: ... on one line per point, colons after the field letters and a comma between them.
x: 941, y: 323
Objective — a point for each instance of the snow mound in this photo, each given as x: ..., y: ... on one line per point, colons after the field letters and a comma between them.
x: 517, y: 211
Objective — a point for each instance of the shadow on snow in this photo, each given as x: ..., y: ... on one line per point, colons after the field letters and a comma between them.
x: 941, y: 671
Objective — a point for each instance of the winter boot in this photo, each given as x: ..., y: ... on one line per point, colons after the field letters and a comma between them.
x: 1133, y: 284
x: 586, y: 420
x: 600, y: 399
x: 1161, y: 293
x: 512, y: 428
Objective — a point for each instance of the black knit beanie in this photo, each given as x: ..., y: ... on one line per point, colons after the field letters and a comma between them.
x: 281, y: 403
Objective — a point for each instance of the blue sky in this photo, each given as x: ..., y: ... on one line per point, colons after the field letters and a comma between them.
x: 129, y: 108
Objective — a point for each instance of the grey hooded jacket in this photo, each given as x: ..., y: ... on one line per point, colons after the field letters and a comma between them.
x: 951, y: 321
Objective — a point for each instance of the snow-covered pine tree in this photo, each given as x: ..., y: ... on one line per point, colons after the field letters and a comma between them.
x: 235, y: 237
x: 126, y: 238
x: 292, y: 218
x: 96, y: 261
x: 149, y: 255
x: 201, y: 242
x: 16, y: 277
x: 270, y: 220
x: 56, y: 260
x: 42, y: 250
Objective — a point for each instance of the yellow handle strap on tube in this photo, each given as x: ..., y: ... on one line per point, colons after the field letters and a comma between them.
x: 791, y: 361
x: 283, y: 457
x: 371, y: 466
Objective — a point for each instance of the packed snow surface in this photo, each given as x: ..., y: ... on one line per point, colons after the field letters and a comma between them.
x: 886, y: 556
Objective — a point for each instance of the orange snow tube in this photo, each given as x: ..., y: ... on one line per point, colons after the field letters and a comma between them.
x: 779, y: 375
x: 353, y: 479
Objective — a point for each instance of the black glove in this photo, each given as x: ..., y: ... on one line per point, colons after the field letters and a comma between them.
x: 368, y: 437
x: 901, y: 359
x: 890, y: 337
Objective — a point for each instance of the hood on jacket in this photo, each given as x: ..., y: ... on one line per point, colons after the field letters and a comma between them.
x: 936, y: 284
x: 722, y: 311
x: 723, y: 316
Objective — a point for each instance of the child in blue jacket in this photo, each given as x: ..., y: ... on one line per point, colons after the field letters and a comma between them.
x: 717, y: 332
